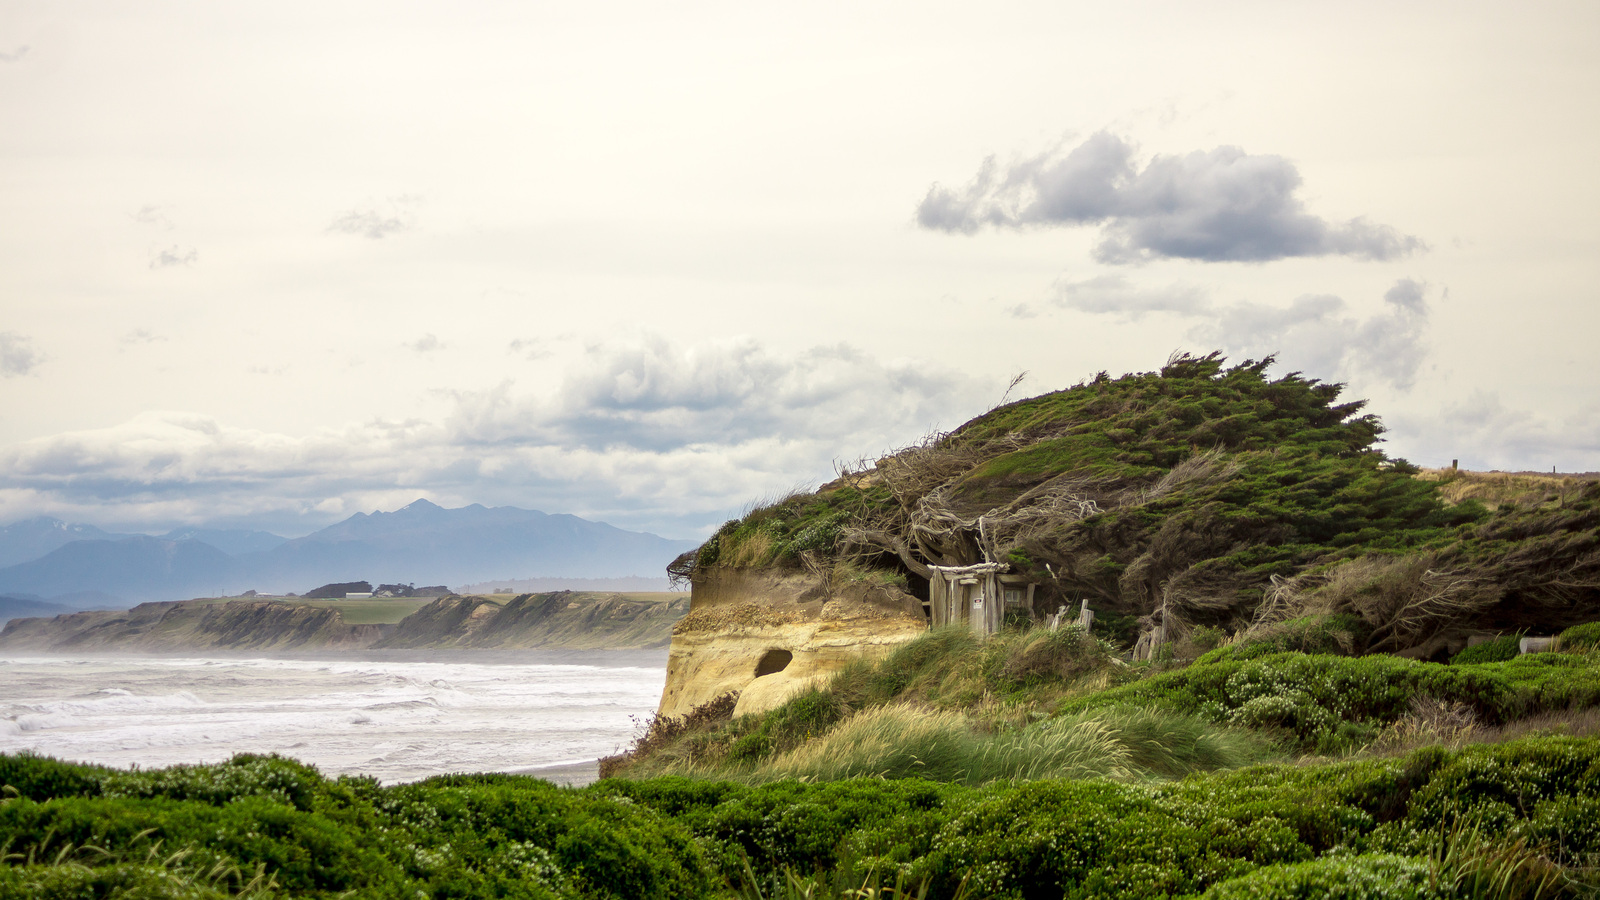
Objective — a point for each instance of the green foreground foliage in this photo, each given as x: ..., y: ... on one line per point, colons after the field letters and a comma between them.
x: 1520, y: 819
x: 1082, y: 777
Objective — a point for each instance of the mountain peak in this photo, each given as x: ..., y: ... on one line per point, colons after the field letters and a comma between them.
x: 422, y: 505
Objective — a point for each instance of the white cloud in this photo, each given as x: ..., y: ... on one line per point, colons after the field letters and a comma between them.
x: 173, y: 256
x: 17, y: 355
x: 142, y: 336
x: 1317, y: 334
x: 378, y: 221
x: 1221, y: 205
x: 428, y: 343
x: 1116, y: 295
x: 152, y: 215
x: 530, y: 348
x: 644, y: 435
x: 1483, y: 432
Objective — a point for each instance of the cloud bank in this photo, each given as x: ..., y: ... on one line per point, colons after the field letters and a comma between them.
x: 646, y: 435
x: 1221, y: 205
x: 17, y: 355
x: 1314, y: 333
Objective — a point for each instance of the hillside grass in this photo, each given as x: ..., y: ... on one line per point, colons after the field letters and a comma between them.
x: 950, y: 707
x: 385, y: 611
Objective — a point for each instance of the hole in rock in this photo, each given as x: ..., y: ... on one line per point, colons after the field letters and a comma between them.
x: 773, y: 661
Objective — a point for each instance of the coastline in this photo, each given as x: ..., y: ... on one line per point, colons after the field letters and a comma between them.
x: 551, y: 656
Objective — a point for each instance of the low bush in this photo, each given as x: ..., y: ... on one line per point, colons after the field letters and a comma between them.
x: 1499, y: 649
x: 1513, y: 820
x: 1581, y: 638
x: 1340, y: 634
x: 1373, y: 876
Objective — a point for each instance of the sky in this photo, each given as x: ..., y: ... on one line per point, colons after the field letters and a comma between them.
x: 266, y: 265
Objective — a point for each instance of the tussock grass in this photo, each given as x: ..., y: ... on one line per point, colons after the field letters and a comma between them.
x: 1495, y: 489
x: 902, y: 741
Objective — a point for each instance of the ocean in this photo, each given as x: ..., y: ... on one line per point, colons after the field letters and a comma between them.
x: 397, y: 717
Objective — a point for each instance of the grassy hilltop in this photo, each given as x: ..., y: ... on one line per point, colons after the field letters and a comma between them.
x: 1197, y: 498
x: 1303, y: 681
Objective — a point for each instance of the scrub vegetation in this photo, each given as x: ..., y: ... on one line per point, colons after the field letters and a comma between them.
x: 1247, y: 772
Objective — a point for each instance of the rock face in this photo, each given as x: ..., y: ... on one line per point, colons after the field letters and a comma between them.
x: 184, y: 625
x: 565, y: 620
x: 571, y: 620
x: 770, y: 633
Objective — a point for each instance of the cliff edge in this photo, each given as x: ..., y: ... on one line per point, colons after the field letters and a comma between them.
x: 768, y: 633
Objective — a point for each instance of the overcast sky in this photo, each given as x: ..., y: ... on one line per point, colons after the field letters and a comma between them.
x: 269, y: 264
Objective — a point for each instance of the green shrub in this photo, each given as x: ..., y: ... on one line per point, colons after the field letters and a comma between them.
x: 1327, y: 703
x: 245, y: 775
x: 1499, y: 649
x: 1370, y: 876
x: 1581, y: 638
x: 1340, y: 634
x: 1061, y: 655
x: 122, y: 881
x: 42, y: 778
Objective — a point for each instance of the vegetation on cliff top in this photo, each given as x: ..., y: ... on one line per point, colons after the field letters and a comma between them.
x: 1202, y: 496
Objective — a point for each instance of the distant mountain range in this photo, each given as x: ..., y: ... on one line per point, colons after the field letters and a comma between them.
x: 81, y: 566
x: 32, y: 538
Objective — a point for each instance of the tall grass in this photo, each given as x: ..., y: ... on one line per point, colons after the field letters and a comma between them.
x: 941, y: 745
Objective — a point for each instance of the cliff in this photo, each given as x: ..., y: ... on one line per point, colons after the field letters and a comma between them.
x: 566, y: 619
x: 190, y: 625
x: 766, y: 634
x: 563, y: 620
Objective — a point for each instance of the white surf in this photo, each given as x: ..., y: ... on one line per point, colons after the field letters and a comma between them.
x: 397, y: 720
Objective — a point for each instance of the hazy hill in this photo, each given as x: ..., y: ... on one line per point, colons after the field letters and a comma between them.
x: 426, y: 543
x: 565, y: 620
x: 32, y: 538
x: 230, y: 541
x: 134, y: 568
x: 26, y: 607
x: 421, y: 543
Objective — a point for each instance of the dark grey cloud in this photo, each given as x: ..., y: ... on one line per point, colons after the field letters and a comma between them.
x: 1221, y: 205
x: 17, y: 355
x: 173, y: 256
x: 15, y: 55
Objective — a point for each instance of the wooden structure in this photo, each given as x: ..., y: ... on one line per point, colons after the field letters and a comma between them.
x: 979, y: 595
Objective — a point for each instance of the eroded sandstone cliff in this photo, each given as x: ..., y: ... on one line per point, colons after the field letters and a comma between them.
x: 767, y: 633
